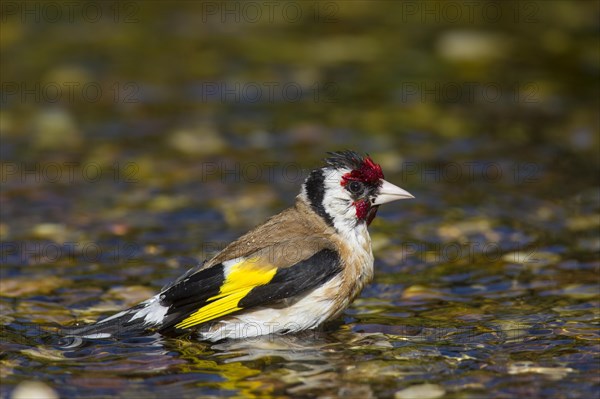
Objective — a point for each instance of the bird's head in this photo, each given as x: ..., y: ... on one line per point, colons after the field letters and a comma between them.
x: 348, y: 190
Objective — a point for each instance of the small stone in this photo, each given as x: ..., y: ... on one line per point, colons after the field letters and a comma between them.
x: 471, y: 46
x: 20, y: 286
x: 56, y: 129
x: 554, y: 373
x: 420, y: 292
x: 50, y: 231
x: 583, y: 222
x: 422, y: 391
x: 33, y: 390
x: 4, y: 231
x: 201, y: 140
x: 533, y: 258
x: 131, y: 295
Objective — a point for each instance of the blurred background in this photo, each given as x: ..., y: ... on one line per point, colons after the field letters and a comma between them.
x: 138, y: 136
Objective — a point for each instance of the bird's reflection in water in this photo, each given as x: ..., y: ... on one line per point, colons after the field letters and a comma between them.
x: 308, y: 362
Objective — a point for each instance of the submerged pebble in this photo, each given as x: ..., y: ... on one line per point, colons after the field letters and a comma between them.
x: 33, y: 390
x: 422, y: 391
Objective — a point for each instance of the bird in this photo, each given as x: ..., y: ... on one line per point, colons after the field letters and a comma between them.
x: 299, y: 269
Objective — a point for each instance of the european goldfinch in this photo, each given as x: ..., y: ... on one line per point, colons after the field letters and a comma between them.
x: 299, y: 269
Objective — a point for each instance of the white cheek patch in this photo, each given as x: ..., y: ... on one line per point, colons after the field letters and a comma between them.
x: 338, y: 202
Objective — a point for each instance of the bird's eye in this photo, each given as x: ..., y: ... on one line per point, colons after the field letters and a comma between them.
x: 355, y: 187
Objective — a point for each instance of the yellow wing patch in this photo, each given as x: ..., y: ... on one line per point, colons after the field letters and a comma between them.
x: 241, y: 279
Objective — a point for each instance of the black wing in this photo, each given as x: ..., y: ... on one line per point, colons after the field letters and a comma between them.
x: 200, y: 290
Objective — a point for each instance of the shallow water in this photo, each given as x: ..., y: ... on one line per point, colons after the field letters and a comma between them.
x: 486, y: 284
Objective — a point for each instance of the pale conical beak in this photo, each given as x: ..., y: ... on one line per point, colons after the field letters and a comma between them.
x: 389, y: 192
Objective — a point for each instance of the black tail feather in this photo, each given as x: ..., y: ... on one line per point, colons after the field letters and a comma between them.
x: 119, y: 325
